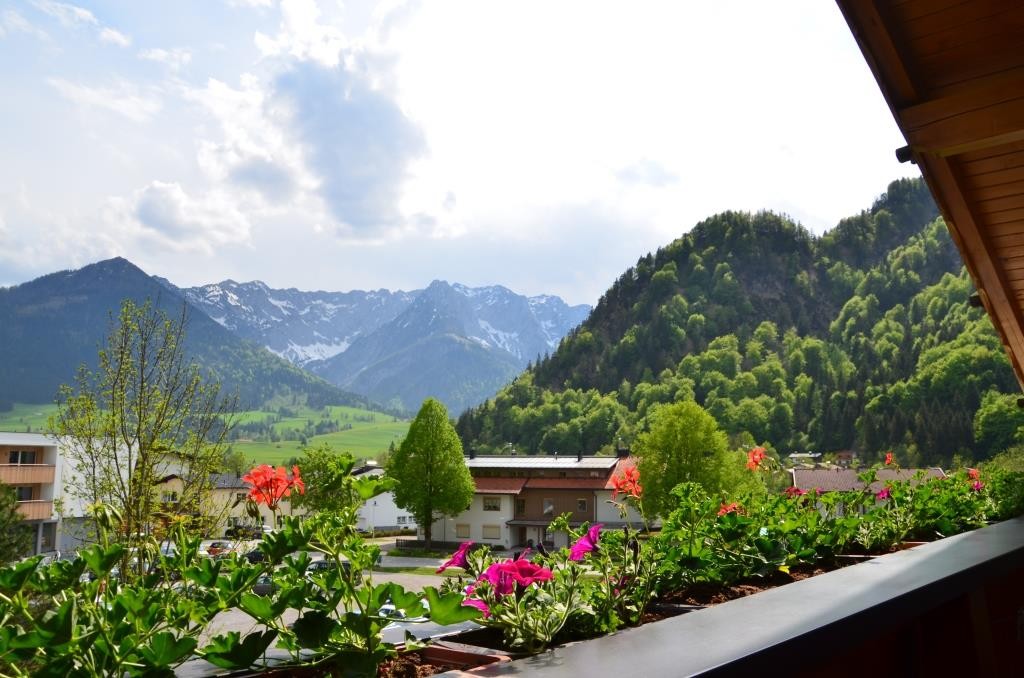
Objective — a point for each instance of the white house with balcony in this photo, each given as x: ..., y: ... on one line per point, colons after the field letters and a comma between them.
x: 32, y: 465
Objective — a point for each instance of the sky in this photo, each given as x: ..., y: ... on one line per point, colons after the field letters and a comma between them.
x: 544, y: 146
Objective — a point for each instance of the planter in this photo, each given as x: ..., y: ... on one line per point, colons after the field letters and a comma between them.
x: 440, y: 657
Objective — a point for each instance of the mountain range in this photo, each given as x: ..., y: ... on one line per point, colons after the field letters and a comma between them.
x: 457, y: 343
x: 393, y: 349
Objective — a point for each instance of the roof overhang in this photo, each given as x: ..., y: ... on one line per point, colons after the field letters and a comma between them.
x: 952, y: 73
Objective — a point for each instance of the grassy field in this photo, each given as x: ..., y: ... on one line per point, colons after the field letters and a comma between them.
x: 26, y: 418
x: 371, y: 433
x: 364, y: 440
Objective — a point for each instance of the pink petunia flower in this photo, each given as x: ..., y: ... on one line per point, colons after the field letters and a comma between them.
x: 478, y: 604
x: 977, y: 486
x: 586, y: 543
x: 458, y: 558
x: 884, y: 493
x: 795, y: 492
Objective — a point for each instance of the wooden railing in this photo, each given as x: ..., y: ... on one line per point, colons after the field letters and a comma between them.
x: 27, y: 474
x: 36, y: 509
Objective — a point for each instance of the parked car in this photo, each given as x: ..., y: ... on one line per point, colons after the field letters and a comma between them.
x: 264, y: 586
x: 244, y: 532
x: 218, y: 547
x: 325, y: 565
x: 255, y: 556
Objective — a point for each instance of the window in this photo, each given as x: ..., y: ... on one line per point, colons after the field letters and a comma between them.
x: 169, y: 497
x: 21, y: 457
x: 462, y: 530
x: 492, y: 532
x: 401, y: 520
x: 240, y: 497
x: 492, y: 503
x: 24, y: 492
x: 581, y: 505
x: 549, y: 507
x: 520, y: 507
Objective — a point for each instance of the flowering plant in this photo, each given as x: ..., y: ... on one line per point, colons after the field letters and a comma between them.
x: 529, y: 601
x: 270, y: 485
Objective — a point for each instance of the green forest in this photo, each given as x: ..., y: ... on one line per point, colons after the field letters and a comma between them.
x: 861, y: 339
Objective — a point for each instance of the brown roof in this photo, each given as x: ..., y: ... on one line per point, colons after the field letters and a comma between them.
x: 841, y: 479
x: 620, y: 468
x: 499, y: 485
x: 953, y: 76
x: 565, y: 483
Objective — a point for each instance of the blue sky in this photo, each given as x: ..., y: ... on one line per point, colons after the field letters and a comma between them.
x: 544, y: 146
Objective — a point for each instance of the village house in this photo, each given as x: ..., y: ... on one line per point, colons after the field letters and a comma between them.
x: 517, y: 497
x: 30, y: 463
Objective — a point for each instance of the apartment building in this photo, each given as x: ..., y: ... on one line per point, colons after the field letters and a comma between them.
x: 517, y: 497
x: 30, y: 463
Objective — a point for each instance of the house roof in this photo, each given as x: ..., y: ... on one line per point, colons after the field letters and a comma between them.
x: 843, y: 479
x: 621, y: 466
x: 538, y: 462
x: 499, y: 485
x: 34, y: 439
x: 953, y: 76
x: 228, y: 481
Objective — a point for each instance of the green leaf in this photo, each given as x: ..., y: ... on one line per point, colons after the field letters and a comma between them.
x: 260, y: 607
x: 368, y: 488
x: 227, y: 652
x: 410, y: 602
x: 164, y: 649
x: 100, y: 560
x: 314, y: 628
x: 448, y: 608
x: 13, y: 577
x: 205, y: 574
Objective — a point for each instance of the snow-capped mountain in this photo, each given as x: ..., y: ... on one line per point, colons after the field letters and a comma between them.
x: 296, y: 325
x: 456, y: 343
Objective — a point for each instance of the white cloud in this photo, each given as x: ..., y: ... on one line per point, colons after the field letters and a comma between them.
x: 13, y: 22
x: 69, y: 15
x: 73, y: 16
x: 172, y: 58
x: 124, y: 100
x: 302, y: 36
x: 115, y: 37
x: 166, y: 214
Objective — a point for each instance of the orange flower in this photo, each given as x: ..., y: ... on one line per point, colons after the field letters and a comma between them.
x: 973, y: 473
x: 755, y: 457
x: 628, y: 483
x: 270, y: 485
x: 889, y: 459
x: 728, y: 508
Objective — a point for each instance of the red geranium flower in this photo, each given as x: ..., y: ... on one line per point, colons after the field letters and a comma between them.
x: 889, y: 459
x: 755, y: 457
x: 458, y: 558
x: 586, y: 543
x: 973, y: 474
x: 270, y: 485
x: 728, y: 508
x: 628, y: 483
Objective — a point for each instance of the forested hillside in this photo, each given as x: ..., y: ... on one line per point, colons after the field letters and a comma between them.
x: 859, y: 339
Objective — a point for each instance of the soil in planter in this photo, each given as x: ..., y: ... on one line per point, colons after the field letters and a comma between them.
x: 706, y: 593
x: 409, y: 666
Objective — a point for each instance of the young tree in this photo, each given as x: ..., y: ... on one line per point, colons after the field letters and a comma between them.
x: 431, y: 477
x: 328, y: 478
x: 143, y: 415
x: 15, y: 535
x: 684, y: 444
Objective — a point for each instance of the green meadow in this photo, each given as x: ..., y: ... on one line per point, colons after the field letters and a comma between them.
x: 26, y: 418
x: 371, y: 432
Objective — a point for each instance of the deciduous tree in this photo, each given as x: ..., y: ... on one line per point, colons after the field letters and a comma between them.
x: 144, y: 414
x: 431, y: 476
x: 15, y: 535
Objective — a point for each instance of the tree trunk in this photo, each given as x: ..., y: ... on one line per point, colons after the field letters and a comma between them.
x: 427, y: 529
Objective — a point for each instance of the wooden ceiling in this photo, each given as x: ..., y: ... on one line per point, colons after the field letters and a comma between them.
x: 952, y: 72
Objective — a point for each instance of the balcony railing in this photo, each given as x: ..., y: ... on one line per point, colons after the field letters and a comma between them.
x: 37, y: 509
x: 27, y: 474
x: 952, y: 607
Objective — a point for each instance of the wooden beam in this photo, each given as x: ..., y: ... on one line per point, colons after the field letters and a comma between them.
x: 879, y: 49
x: 979, y: 256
